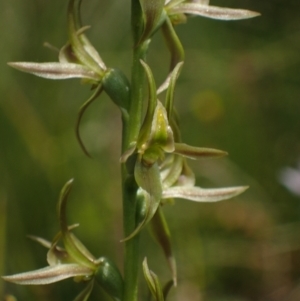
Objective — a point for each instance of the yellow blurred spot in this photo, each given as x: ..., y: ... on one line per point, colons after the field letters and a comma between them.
x: 207, y: 106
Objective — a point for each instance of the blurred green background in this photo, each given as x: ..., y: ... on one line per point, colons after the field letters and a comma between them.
x: 239, y: 91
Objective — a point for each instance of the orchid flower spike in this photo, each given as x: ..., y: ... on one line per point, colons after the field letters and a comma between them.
x: 72, y: 261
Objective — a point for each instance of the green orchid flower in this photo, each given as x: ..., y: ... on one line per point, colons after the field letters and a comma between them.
x: 79, y: 59
x: 72, y: 261
x: 165, y: 14
x: 160, y: 167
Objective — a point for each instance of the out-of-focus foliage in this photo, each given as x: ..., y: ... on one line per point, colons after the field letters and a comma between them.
x: 239, y: 91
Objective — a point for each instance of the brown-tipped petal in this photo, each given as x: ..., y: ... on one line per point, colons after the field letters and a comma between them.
x: 199, y: 194
x: 56, y: 70
x: 193, y: 152
x: 161, y: 233
x: 214, y: 12
x: 49, y: 274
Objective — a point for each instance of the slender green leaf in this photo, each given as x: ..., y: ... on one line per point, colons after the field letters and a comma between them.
x: 161, y: 233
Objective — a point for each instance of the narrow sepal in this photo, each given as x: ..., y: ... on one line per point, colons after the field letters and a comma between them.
x: 152, y: 102
x: 214, y: 12
x: 170, y: 92
x: 193, y: 152
x: 161, y: 233
x: 54, y: 70
x: 49, y: 274
x: 72, y: 246
x: 77, y: 44
x: 152, y: 282
x: 199, y: 194
x: 84, y: 295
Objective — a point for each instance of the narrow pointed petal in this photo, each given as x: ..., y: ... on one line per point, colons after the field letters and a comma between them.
x: 82, y: 248
x: 148, y: 276
x: 161, y: 233
x: 170, y: 92
x: 70, y: 243
x: 152, y: 103
x: 199, y: 194
x: 176, y: 49
x: 56, y: 70
x: 49, y: 274
x: 77, y: 44
x: 193, y: 152
x: 214, y: 12
x: 90, y: 49
x: 84, y: 295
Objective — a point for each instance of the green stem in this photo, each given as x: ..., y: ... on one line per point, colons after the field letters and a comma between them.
x: 131, y: 130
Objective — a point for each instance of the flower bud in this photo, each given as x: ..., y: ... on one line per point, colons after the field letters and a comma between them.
x: 109, y: 278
